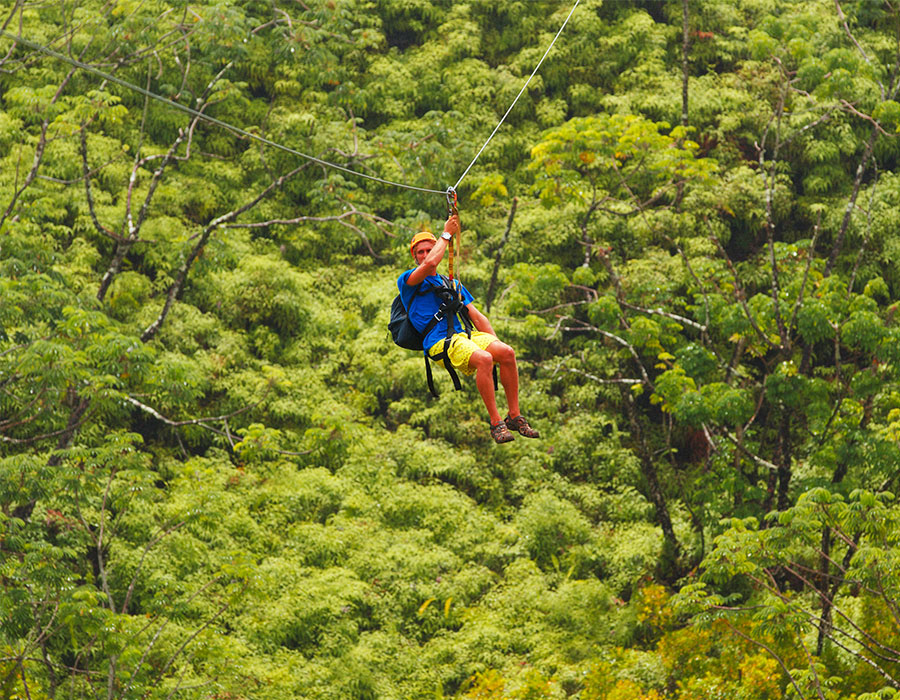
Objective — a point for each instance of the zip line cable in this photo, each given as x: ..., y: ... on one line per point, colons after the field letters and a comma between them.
x: 201, y: 115
x: 533, y: 73
x: 236, y: 130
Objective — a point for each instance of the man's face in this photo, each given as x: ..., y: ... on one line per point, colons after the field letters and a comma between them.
x: 422, y: 250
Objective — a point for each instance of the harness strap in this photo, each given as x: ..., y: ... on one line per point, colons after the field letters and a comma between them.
x: 450, y: 263
x: 467, y: 324
x: 456, y: 283
x: 442, y: 355
x: 449, y: 314
x: 429, y: 377
x: 442, y: 313
x: 451, y: 204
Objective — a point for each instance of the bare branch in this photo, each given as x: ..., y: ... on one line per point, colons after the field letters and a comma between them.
x: 802, y: 130
x: 127, y: 241
x: 864, y: 640
x: 42, y: 140
x: 16, y: 421
x: 812, y: 667
x: 594, y: 378
x: 857, y: 183
x: 99, y: 540
x: 771, y: 653
x: 862, y: 657
x: 489, y: 296
x: 46, y: 436
x: 38, y: 157
x: 194, y: 421
x: 809, y: 261
x: 156, y: 636
x: 770, y: 180
x: 204, y: 422
x: 852, y: 38
x: 181, y: 276
x: 659, y: 312
x: 759, y: 460
x: 866, y: 117
x: 739, y: 293
x: 557, y: 307
x: 631, y: 349
x: 588, y: 328
x: 9, y: 18
x: 86, y: 176
x: 193, y: 636
x: 133, y: 228
x: 868, y: 234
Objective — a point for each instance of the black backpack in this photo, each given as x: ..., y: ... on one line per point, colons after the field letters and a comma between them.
x: 406, y: 336
x: 403, y: 332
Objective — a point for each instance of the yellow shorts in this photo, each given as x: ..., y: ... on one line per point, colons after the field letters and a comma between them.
x: 461, y: 349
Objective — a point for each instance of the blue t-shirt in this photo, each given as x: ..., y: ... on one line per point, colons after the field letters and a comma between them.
x: 422, y: 308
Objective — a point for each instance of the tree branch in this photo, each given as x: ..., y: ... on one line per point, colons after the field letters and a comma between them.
x: 771, y: 652
x: 594, y: 378
x: 739, y: 293
x: 857, y: 183
x: 489, y: 296
x: 152, y: 543
x: 86, y: 176
x: 194, y: 421
x: 759, y: 460
x: 181, y: 276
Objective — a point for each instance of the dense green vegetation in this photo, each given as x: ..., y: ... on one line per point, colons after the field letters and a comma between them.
x: 219, y: 478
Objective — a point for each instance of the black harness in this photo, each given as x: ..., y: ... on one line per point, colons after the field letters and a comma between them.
x: 451, y: 306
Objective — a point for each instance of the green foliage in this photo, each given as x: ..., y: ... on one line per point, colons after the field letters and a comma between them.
x: 550, y: 527
x: 858, y: 528
x: 219, y: 478
x: 624, y: 159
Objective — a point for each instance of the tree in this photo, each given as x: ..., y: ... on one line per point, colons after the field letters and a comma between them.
x: 609, y: 168
x: 721, y: 305
x: 843, y: 589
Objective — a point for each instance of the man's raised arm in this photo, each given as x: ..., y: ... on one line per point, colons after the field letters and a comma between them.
x: 428, y: 264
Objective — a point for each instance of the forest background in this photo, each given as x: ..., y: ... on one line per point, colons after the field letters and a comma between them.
x: 220, y: 479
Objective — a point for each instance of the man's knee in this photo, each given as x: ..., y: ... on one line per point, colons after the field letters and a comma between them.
x: 501, y: 352
x: 481, y: 359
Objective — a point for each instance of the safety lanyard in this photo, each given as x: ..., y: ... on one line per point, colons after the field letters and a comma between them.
x: 451, y: 203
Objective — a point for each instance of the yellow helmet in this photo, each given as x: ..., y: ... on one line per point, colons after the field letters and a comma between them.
x: 418, y: 238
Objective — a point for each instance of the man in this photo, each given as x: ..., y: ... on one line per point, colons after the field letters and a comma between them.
x: 476, y: 355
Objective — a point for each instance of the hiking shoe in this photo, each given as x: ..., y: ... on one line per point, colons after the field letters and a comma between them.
x: 521, y: 425
x: 501, y: 433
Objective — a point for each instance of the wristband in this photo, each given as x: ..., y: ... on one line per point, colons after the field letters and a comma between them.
x: 446, y: 235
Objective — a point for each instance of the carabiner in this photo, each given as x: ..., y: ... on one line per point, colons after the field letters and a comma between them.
x: 451, y: 200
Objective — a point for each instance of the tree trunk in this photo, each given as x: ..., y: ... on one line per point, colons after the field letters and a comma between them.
x: 489, y: 297
x: 857, y: 183
x: 671, y: 549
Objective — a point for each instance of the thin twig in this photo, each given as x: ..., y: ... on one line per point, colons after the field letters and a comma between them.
x: 771, y: 653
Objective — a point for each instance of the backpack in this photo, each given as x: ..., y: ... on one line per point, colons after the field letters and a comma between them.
x: 404, y: 334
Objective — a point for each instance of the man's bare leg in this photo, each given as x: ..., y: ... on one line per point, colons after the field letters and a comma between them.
x: 505, y: 356
x: 483, y: 363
